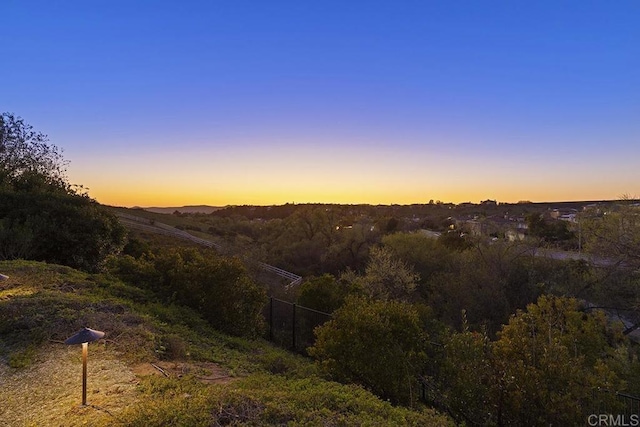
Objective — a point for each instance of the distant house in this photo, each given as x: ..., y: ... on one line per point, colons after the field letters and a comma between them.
x: 593, y: 208
x: 494, y: 226
x: 431, y: 234
x: 568, y: 215
x: 515, y: 235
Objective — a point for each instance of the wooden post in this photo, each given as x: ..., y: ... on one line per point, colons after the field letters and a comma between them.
x: 85, y: 347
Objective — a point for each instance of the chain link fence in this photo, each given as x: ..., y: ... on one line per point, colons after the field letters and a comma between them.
x: 291, y: 326
x: 616, y: 406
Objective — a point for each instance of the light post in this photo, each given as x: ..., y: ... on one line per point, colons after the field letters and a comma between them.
x: 84, y: 337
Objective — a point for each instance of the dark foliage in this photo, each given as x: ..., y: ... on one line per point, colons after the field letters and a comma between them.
x: 41, y: 216
x: 219, y: 288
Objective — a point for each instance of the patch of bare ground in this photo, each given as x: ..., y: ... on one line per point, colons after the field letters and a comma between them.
x: 49, y: 391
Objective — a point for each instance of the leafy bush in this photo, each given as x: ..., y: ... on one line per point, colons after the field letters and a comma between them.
x: 323, y: 293
x: 218, y: 288
x: 58, y: 228
x: 378, y: 344
x: 268, y: 400
x: 42, y: 216
x: 542, y: 370
x: 552, y: 356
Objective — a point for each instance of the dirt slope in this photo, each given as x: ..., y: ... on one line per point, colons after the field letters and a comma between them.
x: 49, y: 392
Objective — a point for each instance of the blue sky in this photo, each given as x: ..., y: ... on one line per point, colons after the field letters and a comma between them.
x: 233, y: 102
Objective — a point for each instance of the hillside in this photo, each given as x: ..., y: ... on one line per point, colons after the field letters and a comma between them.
x: 203, y: 209
x: 157, y: 365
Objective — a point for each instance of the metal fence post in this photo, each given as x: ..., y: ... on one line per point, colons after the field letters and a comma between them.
x: 293, y: 327
x: 271, y: 319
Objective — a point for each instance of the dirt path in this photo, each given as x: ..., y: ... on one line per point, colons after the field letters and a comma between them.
x: 49, y: 392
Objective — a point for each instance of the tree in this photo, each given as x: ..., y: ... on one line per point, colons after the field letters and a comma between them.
x: 542, y: 370
x: 219, y: 288
x: 323, y: 293
x: 42, y: 217
x: 536, y: 224
x: 58, y: 228
x: 467, y: 376
x: 549, y: 231
x: 27, y: 157
x: 222, y: 291
x: 377, y: 344
x: 489, y: 282
x: 427, y: 255
x: 614, y: 235
x: 350, y: 247
x: 454, y: 240
x: 385, y: 277
x: 551, y: 357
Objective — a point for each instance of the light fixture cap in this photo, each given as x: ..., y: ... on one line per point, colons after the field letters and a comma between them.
x: 84, y: 335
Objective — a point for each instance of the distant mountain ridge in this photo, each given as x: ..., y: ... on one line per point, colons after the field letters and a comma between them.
x: 206, y: 209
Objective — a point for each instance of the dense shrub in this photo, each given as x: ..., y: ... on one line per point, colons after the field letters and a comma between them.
x: 551, y: 357
x: 268, y: 400
x: 377, y: 344
x: 323, y: 293
x: 219, y: 288
x: 42, y: 216
x: 58, y: 228
x: 542, y: 370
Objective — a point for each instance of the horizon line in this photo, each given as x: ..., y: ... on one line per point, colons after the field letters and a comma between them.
x: 435, y: 203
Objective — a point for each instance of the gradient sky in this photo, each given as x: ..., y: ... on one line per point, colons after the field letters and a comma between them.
x: 168, y: 103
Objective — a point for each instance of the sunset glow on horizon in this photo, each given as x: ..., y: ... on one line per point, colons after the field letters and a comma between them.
x: 167, y: 104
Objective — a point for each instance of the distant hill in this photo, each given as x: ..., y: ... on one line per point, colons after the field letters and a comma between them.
x: 185, y: 209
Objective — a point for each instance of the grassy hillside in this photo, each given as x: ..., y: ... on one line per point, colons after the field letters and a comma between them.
x: 156, y: 366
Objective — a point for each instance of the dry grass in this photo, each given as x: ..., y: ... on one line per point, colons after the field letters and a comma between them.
x: 49, y: 392
x: 205, y: 372
x: 11, y: 291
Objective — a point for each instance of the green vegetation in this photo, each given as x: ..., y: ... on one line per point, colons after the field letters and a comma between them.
x: 57, y: 227
x: 269, y: 400
x: 543, y: 369
x: 549, y: 231
x: 379, y: 344
x: 614, y: 233
x: 42, y: 216
x: 216, y: 287
x: 323, y: 293
x: 458, y: 317
x: 43, y: 303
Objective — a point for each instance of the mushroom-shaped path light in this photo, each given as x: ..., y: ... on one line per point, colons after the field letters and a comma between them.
x: 84, y: 337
